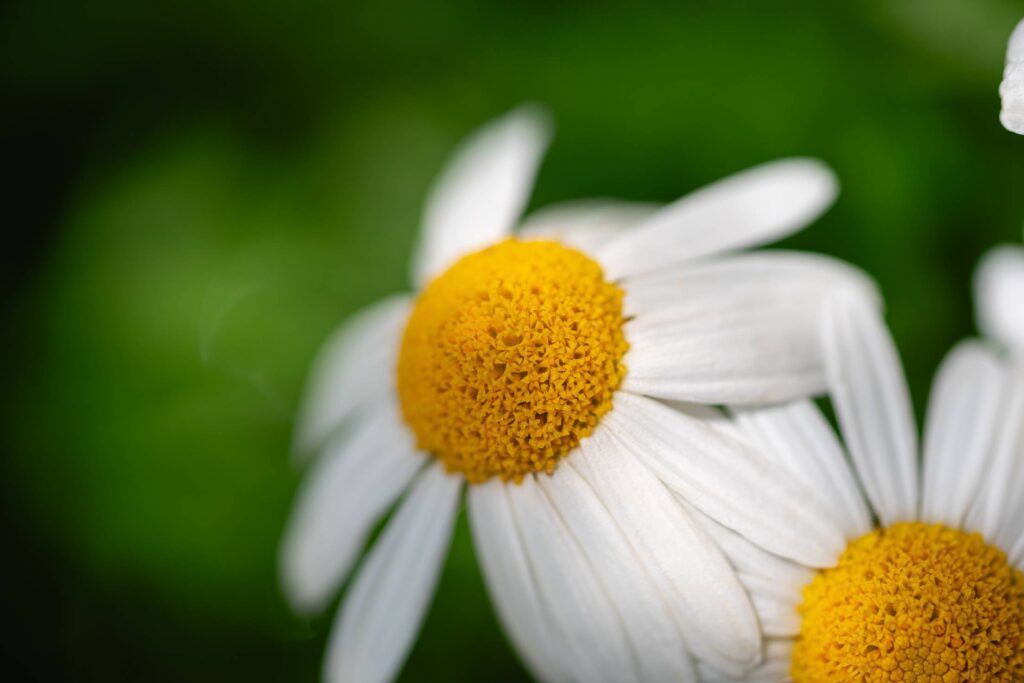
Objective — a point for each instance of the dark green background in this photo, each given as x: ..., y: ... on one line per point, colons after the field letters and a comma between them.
x: 201, y: 191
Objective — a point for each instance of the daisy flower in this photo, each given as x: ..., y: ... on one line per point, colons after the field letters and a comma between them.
x: 533, y: 371
x: 1012, y: 88
x: 928, y: 585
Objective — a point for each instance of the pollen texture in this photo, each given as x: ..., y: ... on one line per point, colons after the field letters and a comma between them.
x: 913, y: 602
x: 510, y: 358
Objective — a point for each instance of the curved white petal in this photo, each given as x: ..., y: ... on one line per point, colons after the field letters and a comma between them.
x: 1012, y: 88
x: 381, y: 615
x: 482, y: 191
x: 653, y: 635
x: 597, y: 647
x: 512, y: 582
x: 960, y: 428
x: 700, y: 587
x: 774, y: 669
x: 872, y: 403
x: 358, y: 478
x: 727, y: 480
x: 354, y: 366
x: 798, y: 437
x: 999, y: 290
x: 756, y: 206
x: 585, y: 224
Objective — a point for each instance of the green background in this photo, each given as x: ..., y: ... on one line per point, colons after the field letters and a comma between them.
x: 201, y: 191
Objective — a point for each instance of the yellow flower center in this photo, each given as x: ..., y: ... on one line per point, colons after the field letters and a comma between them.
x: 913, y: 602
x: 510, y: 358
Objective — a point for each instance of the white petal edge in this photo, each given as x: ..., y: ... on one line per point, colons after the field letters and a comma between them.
x: 872, y: 403
x: 585, y: 224
x: 727, y: 480
x: 960, y: 427
x: 774, y: 669
x: 999, y: 291
x: 1012, y: 87
x: 382, y: 612
x: 700, y: 587
x: 757, y: 206
x: 354, y: 366
x: 482, y: 191
x: 512, y: 582
x: 359, y: 477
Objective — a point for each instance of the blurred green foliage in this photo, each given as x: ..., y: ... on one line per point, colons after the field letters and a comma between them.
x: 247, y: 174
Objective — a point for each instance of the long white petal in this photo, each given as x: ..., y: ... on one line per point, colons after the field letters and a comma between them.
x: 999, y: 290
x: 381, y: 615
x: 727, y: 480
x: 873, y: 406
x: 700, y: 588
x: 586, y: 224
x: 798, y: 437
x: 959, y: 430
x: 356, y: 365
x: 359, y: 477
x: 512, y: 582
x: 598, y: 649
x: 774, y: 669
x: 482, y: 191
x: 1012, y: 88
x: 756, y: 206
x: 655, y: 638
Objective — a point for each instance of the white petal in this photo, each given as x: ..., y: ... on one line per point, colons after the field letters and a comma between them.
x: 1012, y: 87
x: 381, y: 615
x: 962, y: 412
x: 999, y: 290
x: 482, y: 191
x: 873, y: 406
x: 586, y: 224
x: 512, y: 583
x: 653, y: 635
x: 701, y: 589
x: 779, y: 618
x: 760, y: 205
x: 359, y: 477
x: 798, y: 437
x: 598, y: 649
x: 729, y: 347
x: 774, y: 669
x: 727, y: 480
x: 355, y: 365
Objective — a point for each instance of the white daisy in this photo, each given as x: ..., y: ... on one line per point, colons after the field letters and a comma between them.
x: 510, y: 371
x: 1012, y: 88
x: 929, y: 586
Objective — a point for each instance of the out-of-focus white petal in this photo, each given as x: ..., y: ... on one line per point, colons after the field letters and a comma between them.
x: 873, y: 406
x: 356, y: 365
x: 512, y: 583
x: 999, y: 290
x: 586, y: 224
x: 774, y: 669
x: 382, y: 612
x: 756, y: 206
x: 355, y: 482
x: 960, y: 428
x: 1012, y: 88
x: 482, y: 192
x: 727, y: 480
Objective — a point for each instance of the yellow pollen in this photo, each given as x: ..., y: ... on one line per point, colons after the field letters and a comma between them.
x: 510, y: 358
x: 913, y: 602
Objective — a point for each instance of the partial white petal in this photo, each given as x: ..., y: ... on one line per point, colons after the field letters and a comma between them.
x: 873, y: 406
x: 699, y: 586
x: 774, y: 669
x: 597, y: 646
x: 512, y: 582
x: 798, y: 437
x: 1012, y: 88
x: 586, y: 224
x: 779, y: 618
x: 735, y: 274
x: 381, y: 615
x: 351, y: 487
x: 727, y: 480
x: 653, y: 635
x: 999, y: 290
x: 757, y: 206
x: 959, y: 431
x: 355, y: 365
x: 483, y: 190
